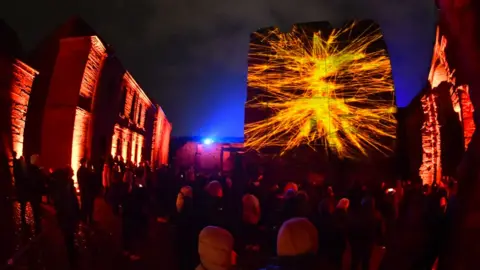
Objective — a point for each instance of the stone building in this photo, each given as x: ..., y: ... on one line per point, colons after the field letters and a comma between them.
x: 84, y: 103
x: 16, y: 78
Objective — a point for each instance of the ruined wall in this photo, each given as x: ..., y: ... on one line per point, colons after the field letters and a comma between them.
x: 21, y: 87
x: 158, y: 128
x: 129, y: 135
x: 440, y: 119
x: 66, y: 134
x: 106, y: 108
x: 43, y: 60
x: 447, y: 117
x: 165, y: 146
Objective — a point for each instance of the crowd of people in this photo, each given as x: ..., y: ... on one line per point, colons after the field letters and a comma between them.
x: 238, y: 221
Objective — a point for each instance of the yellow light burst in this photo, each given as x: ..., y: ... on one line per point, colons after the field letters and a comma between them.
x: 321, y: 89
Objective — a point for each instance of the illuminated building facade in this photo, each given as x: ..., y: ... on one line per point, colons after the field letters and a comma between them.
x: 85, y: 104
x: 141, y: 131
x: 161, y: 139
x: 16, y: 79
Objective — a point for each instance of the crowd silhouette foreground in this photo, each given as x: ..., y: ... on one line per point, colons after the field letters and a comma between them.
x: 239, y: 222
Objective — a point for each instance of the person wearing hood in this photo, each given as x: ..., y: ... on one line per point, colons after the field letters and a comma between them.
x: 67, y: 209
x: 214, y: 212
x: 339, y: 233
x: 134, y: 221
x: 87, y: 191
x: 326, y: 228
x: 186, y: 229
x: 289, y: 209
x: 362, y: 233
x: 215, y: 248
x: 36, y: 184
x: 297, y: 245
x: 249, y: 238
x: 303, y: 205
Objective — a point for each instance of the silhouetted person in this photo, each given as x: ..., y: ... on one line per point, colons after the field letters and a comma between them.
x: 134, y: 220
x: 34, y: 188
x: 187, y: 229
x: 22, y: 187
x: 67, y: 209
x: 362, y: 232
x: 86, y: 183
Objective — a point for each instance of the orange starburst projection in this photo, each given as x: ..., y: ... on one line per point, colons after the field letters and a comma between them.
x: 321, y: 90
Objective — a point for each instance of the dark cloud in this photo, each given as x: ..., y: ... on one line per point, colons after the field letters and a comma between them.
x: 191, y: 55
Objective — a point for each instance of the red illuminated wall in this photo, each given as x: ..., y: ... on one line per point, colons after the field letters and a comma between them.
x: 160, y: 139
x: 127, y: 144
x: 66, y: 132
x: 21, y: 86
x: 79, y: 143
x: 167, y: 130
x: 130, y: 131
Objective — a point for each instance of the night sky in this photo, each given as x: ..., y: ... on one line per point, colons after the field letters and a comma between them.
x: 191, y: 55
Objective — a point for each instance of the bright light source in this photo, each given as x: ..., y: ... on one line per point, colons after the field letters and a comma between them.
x: 207, y: 141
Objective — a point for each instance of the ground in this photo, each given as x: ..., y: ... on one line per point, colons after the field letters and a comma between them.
x: 100, y: 246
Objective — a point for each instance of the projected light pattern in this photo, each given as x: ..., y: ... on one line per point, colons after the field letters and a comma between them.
x: 321, y: 91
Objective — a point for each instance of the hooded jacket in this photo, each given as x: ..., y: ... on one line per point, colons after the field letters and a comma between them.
x: 251, y: 209
x: 215, y: 246
x: 297, y: 244
x: 185, y: 191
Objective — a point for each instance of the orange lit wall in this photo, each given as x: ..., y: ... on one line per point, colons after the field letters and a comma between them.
x: 440, y: 71
x: 81, y: 131
x: 157, y: 137
x: 139, y: 148
x: 21, y: 86
x: 131, y: 144
x: 466, y: 110
x: 167, y: 130
x: 136, y: 102
x: 67, y: 116
x: 431, y: 167
x: 126, y: 139
x: 160, y: 139
x: 130, y: 129
x: 117, y: 133
x: 80, y: 128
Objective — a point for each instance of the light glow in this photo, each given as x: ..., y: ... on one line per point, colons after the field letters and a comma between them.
x: 321, y: 90
x: 208, y: 141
